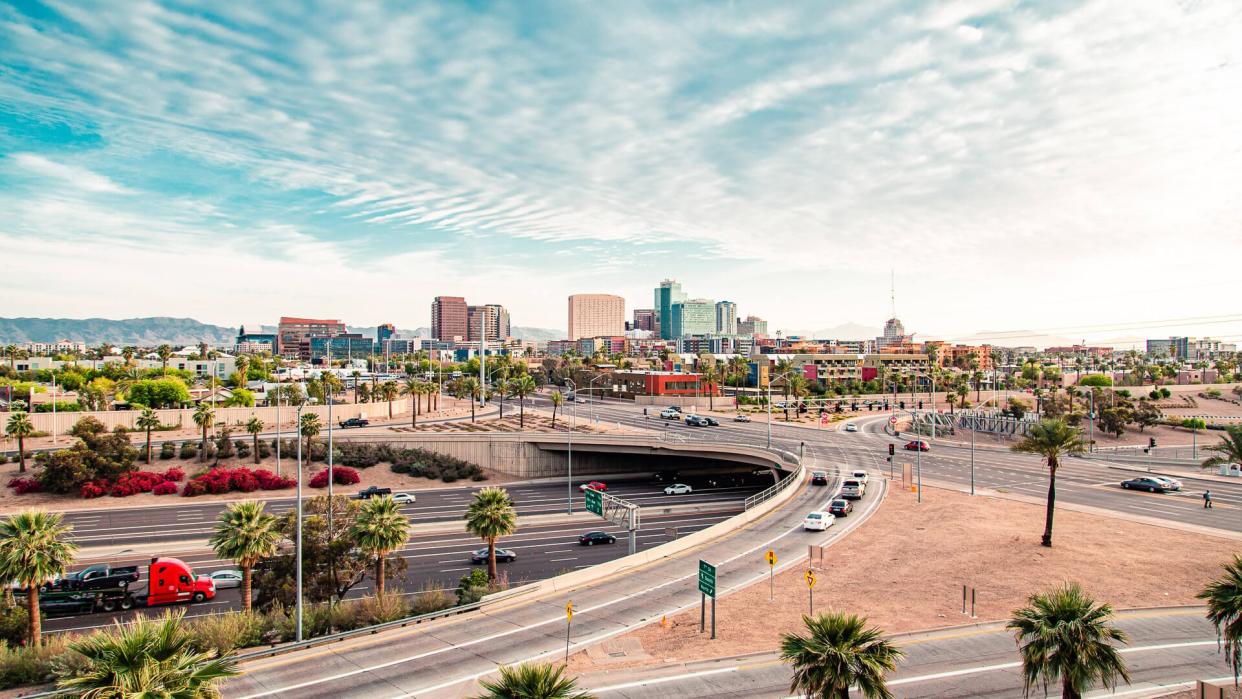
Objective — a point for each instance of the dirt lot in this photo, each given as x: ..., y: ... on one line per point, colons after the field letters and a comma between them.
x: 904, y: 569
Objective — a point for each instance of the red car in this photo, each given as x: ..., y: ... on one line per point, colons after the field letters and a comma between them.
x: 594, y: 485
x: 917, y: 445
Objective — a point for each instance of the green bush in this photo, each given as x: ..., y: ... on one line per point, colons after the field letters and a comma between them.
x: 242, y: 447
x: 430, y: 598
x: 188, y: 450
x: 14, y: 623
x: 472, y: 586
x: 168, y: 450
x: 34, y: 665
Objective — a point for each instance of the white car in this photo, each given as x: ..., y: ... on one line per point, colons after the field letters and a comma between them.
x: 742, y: 417
x: 403, y: 498
x: 670, y: 414
x: 853, y: 489
x: 860, y: 476
x: 224, y: 579
x: 678, y: 489
x: 818, y: 521
x: 851, y: 427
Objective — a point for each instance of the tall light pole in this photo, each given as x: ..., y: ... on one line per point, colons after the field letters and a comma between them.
x: 328, y: 390
x: 483, y: 358
x: 278, y: 433
x: 569, y: 473
x: 590, y: 393
x: 918, y: 442
x: 298, y: 557
x: 769, y: 387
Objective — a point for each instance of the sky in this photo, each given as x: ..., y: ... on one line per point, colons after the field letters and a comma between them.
x: 1071, y: 168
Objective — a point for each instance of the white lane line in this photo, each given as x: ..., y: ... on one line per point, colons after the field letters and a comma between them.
x: 571, y: 558
x: 662, y: 680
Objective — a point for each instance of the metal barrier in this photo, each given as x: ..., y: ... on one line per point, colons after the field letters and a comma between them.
x: 771, y: 492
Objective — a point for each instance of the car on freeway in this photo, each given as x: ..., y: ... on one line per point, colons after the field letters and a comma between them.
x: 670, y: 413
x: 1171, y: 483
x: 819, y: 478
x: 354, y: 422
x: 860, y: 476
x: 817, y: 521
x: 594, y: 485
x: 678, y: 489
x: 917, y: 445
x: 502, y: 556
x: 779, y: 405
x: 403, y: 498
x: 851, y: 427
x: 725, y: 481
x: 369, y: 492
x: 853, y: 489
x: 840, y: 508
x: 696, y: 421
x: 1151, y: 485
x: 711, y: 421
x: 593, y: 538
x: 741, y: 417
x: 230, y: 577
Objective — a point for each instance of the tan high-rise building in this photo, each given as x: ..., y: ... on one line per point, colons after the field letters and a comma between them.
x: 596, y: 315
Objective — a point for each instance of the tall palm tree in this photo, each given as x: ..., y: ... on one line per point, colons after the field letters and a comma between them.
x: 1051, y: 439
x: 471, y: 389
x: 389, y: 390
x: 309, y: 428
x: 355, y: 375
x: 837, y: 652
x: 254, y: 426
x: 1224, y: 603
x: 245, y: 534
x: 489, y: 517
x: 21, y: 427
x: 557, y: 399
x: 711, y: 377
x: 204, y: 416
x: 521, y: 387
x: 1228, y: 450
x: 148, y: 421
x: 380, y: 529
x: 243, y: 369
x: 412, y: 387
x: 165, y: 353
x: 531, y: 681
x: 147, y: 658
x: 11, y: 350
x: 34, y: 549
x: 1064, y: 635
x: 499, y: 390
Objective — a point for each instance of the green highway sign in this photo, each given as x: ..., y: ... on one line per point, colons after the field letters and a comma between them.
x: 594, y: 501
x: 707, y: 579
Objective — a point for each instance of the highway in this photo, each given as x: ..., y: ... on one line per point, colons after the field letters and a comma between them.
x: 1167, y: 649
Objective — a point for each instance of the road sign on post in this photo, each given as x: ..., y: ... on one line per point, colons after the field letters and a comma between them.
x: 594, y: 501
x: 707, y: 586
x: 770, y: 557
x: 810, y: 590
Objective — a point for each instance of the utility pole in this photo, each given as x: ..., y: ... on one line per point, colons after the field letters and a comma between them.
x: 482, y: 357
x: 298, y: 627
x: 972, y: 456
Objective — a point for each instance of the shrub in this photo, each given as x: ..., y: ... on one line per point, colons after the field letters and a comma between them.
x: 23, y: 485
x: 165, y: 488
x: 224, y: 633
x: 188, y: 450
x: 431, y: 598
x: 479, y: 477
x: 33, y: 665
x: 167, y: 451
x: 174, y: 474
x: 14, y: 623
x: 472, y: 586
x: 341, y: 475
x: 241, y: 479
x: 243, y: 448
x: 265, y: 450
x: 91, y: 490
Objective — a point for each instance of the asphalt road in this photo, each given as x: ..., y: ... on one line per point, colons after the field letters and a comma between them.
x: 188, y: 520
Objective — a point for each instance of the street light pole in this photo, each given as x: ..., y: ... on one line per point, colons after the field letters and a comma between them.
x: 298, y: 628
x: 328, y: 389
x: 569, y: 459
x: 919, y: 460
x: 972, y: 456
x: 483, y: 358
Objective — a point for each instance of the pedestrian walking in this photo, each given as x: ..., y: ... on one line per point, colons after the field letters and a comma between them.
x: 1207, y: 499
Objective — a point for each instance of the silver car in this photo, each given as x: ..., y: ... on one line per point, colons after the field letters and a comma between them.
x: 227, y: 578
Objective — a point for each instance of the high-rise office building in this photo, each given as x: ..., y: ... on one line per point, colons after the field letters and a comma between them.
x: 668, y: 293
x: 596, y: 315
x: 493, y: 317
x: 726, y: 318
x: 752, y: 325
x: 448, y: 318
x: 692, y: 317
x: 646, y: 319
x: 292, y: 331
x: 383, y: 332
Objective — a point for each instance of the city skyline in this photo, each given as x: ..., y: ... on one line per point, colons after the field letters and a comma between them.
x: 338, y: 154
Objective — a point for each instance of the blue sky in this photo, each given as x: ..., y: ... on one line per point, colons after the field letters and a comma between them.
x: 237, y: 161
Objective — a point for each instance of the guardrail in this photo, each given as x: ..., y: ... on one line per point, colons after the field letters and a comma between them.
x: 768, y: 494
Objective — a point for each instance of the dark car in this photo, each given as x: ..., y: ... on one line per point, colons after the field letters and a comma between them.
x: 502, y: 556
x: 665, y: 476
x: 696, y: 421
x: 97, y: 577
x: 917, y: 445
x: 593, y: 538
x: 711, y: 422
x: 64, y: 603
x: 819, y: 478
x: 354, y: 422
x: 840, y: 508
x: 1151, y: 485
x: 371, y: 492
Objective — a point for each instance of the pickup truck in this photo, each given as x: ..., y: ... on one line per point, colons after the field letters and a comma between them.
x: 96, y: 577
x: 354, y: 422
x: 371, y: 492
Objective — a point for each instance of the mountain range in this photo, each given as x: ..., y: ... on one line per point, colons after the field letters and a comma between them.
x: 146, y: 332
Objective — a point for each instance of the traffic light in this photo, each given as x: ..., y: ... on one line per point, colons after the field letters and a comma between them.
x: 1151, y: 442
x: 902, y: 404
x: 920, y: 405
x: 892, y: 449
x: 853, y: 406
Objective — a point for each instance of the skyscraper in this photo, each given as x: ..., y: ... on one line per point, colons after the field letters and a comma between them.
x: 383, y: 332
x: 292, y: 331
x: 668, y: 293
x: 753, y: 325
x: 692, y: 317
x: 596, y: 315
x: 493, y: 317
x: 645, y: 319
x: 726, y: 318
x: 448, y: 318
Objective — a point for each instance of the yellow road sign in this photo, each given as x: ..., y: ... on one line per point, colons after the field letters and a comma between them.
x: 810, y: 578
x: 569, y: 610
x: 770, y: 556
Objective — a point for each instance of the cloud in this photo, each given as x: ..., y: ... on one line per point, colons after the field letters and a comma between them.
x: 73, y: 176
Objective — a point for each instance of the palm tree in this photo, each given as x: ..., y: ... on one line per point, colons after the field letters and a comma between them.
x: 1063, y: 634
x: 355, y: 375
x: 838, y: 652
x: 33, y: 550
x: 1224, y: 603
x: 711, y: 377
x: 380, y: 529
x: 499, y: 390
x: 254, y: 426
x: 147, y: 658
x: 1228, y: 451
x: 531, y: 681
x: 21, y: 427
x: 1051, y: 439
x: 557, y: 399
x: 490, y: 517
x: 521, y: 387
x: 11, y: 350
x: 245, y: 534
x: 148, y: 421
x: 204, y: 417
x: 389, y: 390
x: 309, y: 427
x: 165, y: 353
x: 471, y: 389
x: 243, y: 369
x: 412, y: 388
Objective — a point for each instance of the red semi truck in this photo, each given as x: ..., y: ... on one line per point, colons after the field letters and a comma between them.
x: 169, y: 581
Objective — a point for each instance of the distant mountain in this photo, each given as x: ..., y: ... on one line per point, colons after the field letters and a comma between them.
x: 538, y: 334
x: 131, y: 331
x: 845, y: 331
